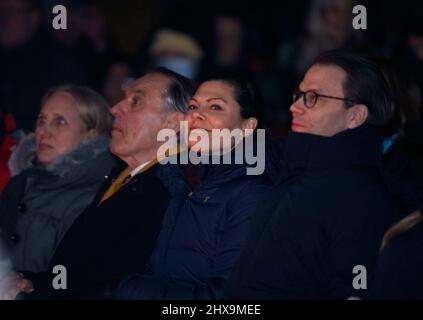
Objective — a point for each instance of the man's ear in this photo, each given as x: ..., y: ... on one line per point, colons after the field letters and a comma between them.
x: 357, y: 115
x: 250, y: 123
x: 173, y: 121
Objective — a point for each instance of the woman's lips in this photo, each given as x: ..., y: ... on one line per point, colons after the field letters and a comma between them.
x: 197, y: 128
x: 195, y: 134
x: 44, y: 146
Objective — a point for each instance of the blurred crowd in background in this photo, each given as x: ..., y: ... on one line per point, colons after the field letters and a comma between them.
x: 272, y: 43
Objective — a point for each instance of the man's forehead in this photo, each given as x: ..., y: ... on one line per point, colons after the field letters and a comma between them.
x: 324, y: 76
x: 152, y: 81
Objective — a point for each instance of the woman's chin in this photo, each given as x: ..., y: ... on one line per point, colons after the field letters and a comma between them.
x: 45, y: 160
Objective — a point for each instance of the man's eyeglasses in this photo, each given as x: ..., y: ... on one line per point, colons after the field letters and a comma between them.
x: 310, y: 98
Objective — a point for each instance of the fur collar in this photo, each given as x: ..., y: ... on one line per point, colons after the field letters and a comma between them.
x: 24, y: 156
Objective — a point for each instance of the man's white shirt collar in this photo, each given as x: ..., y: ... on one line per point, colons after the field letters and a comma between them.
x: 138, y: 169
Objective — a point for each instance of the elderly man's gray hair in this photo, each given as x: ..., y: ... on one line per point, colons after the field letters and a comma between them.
x: 179, y: 91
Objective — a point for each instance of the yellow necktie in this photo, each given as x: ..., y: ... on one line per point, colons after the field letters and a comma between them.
x: 124, y: 174
x: 119, y: 181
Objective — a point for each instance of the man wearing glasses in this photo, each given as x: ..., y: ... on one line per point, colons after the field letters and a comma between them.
x: 317, y: 234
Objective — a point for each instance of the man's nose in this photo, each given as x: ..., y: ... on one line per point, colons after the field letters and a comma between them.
x: 297, y: 107
x: 117, y: 109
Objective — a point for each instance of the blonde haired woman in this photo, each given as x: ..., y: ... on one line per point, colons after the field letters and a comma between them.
x: 57, y: 173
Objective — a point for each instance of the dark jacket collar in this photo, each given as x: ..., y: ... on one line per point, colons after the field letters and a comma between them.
x: 218, y: 171
x: 361, y: 146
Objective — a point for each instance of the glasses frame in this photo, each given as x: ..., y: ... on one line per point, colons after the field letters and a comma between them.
x: 318, y: 95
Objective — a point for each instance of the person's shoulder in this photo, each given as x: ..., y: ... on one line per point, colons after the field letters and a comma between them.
x: 412, y: 239
x: 260, y: 182
x: 250, y: 188
x: 404, y: 252
x: 242, y: 178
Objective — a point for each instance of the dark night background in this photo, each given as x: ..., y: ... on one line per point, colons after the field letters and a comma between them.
x: 270, y: 42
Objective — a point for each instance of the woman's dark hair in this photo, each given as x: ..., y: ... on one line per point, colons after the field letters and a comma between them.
x: 364, y: 84
x: 245, y: 93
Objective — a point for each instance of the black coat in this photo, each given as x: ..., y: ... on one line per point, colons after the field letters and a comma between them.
x: 403, y: 164
x: 109, y: 240
x: 328, y: 214
x: 40, y: 204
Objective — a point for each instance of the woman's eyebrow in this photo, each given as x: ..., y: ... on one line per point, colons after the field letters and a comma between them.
x: 208, y: 100
x: 217, y: 99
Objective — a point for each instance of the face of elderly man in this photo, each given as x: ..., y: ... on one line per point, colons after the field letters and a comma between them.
x: 139, y: 118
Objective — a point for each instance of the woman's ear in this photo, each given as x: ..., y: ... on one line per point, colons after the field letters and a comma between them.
x: 358, y: 115
x: 250, y: 123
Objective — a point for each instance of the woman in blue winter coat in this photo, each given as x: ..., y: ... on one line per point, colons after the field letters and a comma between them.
x: 208, y: 219
x: 57, y: 173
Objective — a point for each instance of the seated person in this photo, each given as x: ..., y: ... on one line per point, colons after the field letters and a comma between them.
x: 206, y: 226
x: 398, y: 274
x: 116, y: 234
x: 61, y: 169
x: 332, y: 206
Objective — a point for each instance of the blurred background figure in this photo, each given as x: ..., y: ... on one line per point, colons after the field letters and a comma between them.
x: 176, y: 51
x: 88, y: 38
x: 271, y: 44
x: 117, y: 73
x: 403, y: 144
x: 229, y: 41
x: 8, y: 140
x: 409, y: 49
x: 30, y: 61
x: 328, y: 26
